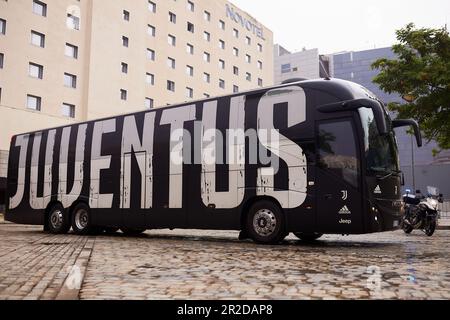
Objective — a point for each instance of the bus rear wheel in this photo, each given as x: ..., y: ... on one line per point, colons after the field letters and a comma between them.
x: 58, y: 221
x: 265, y: 223
x: 308, y: 237
x: 81, y: 219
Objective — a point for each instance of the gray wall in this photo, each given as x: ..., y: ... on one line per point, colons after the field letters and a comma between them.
x: 436, y: 175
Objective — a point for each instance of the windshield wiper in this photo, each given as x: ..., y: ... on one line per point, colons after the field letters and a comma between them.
x: 386, y: 176
x: 383, y: 170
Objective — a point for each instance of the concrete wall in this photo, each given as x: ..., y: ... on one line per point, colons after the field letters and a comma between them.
x: 435, y: 176
x: 306, y: 62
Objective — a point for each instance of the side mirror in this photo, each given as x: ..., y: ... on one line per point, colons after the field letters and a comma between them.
x: 418, y: 191
x: 409, y: 123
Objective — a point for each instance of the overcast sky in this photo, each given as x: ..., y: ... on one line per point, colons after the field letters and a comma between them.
x: 343, y: 25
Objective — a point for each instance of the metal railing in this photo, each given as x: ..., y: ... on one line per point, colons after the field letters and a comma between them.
x: 444, y: 209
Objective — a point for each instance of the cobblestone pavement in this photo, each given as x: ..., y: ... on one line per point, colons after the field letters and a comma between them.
x: 214, y: 265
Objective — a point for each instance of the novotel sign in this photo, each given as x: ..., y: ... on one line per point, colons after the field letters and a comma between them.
x: 249, y: 25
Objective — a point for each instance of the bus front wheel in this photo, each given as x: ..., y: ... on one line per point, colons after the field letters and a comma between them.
x: 58, y: 221
x: 308, y: 237
x: 81, y: 219
x: 265, y: 223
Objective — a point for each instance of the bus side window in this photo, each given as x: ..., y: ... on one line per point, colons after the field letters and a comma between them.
x: 337, y: 151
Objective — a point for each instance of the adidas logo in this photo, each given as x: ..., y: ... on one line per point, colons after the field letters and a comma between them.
x: 344, y: 210
x: 377, y: 190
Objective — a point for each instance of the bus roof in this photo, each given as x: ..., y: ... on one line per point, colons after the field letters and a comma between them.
x: 342, y: 89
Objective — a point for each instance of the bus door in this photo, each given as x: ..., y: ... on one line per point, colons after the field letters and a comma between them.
x: 134, y: 197
x: 338, y: 177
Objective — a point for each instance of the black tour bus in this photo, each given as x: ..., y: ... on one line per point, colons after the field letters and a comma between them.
x: 337, y: 167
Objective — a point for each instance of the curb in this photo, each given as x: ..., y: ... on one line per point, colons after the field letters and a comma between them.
x: 74, y: 280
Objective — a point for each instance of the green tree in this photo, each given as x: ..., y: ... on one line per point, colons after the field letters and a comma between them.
x: 421, y: 74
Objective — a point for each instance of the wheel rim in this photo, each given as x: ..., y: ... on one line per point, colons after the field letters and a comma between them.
x: 56, y: 219
x: 264, y: 222
x: 81, y: 219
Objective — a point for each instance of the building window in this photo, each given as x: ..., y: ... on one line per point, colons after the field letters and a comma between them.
x: 248, y: 76
x: 172, y: 17
x: 236, y: 52
x: 189, y: 92
x: 40, y: 8
x: 221, y: 44
x: 149, y: 103
x: 170, y: 85
x: 221, y: 24
x: 71, y: 51
x: 2, y: 26
x: 70, y: 80
x: 286, y: 68
x: 207, y: 77
x: 73, y: 22
x: 123, y: 94
x: 207, y: 16
x: 221, y: 83
x: 2, y: 58
x: 190, y: 27
x: 68, y: 110
x: 150, y: 54
x: 248, y: 58
x: 171, y: 63
x: 235, y: 89
x: 206, y: 57
x: 150, y: 79
x: 151, y: 6
x: 190, y: 48
x: 260, y: 65
x: 37, y: 39
x: 125, y: 41
x: 260, y: 82
x: 207, y: 36
x: 151, y: 30
x: 260, y: 47
x: 124, y: 67
x: 221, y: 64
x: 35, y: 70
x: 126, y: 15
x: 190, y: 71
x: 248, y: 40
x: 236, y: 33
x: 172, y: 40
x: 34, y: 102
x: 236, y: 71
x: 190, y: 6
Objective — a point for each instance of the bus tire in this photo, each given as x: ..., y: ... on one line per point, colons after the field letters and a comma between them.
x: 132, y: 232
x: 81, y: 219
x: 265, y: 223
x: 58, y: 220
x: 308, y: 237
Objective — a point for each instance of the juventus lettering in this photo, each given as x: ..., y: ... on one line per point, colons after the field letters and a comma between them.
x: 125, y: 161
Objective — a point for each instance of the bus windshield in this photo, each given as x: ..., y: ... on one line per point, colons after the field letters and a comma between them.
x: 380, y: 150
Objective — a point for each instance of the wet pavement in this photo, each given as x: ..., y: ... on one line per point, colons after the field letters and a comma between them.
x: 190, y: 264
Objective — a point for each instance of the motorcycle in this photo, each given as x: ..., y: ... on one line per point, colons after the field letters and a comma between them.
x: 421, y: 213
